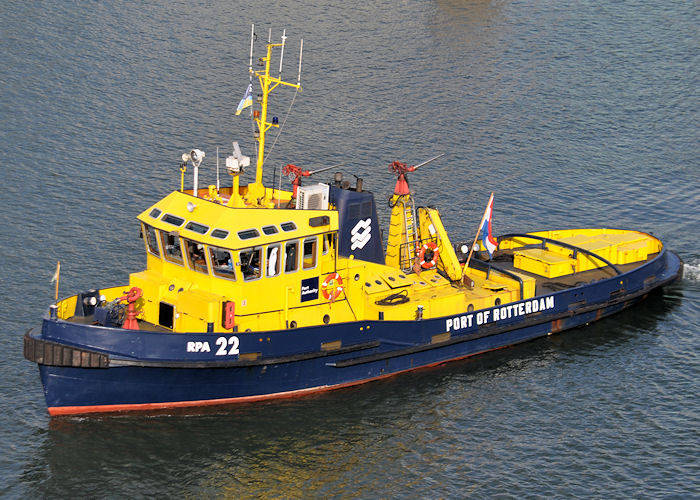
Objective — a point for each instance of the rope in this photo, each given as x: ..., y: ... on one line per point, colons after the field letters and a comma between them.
x: 394, y: 299
x: 279, y: 130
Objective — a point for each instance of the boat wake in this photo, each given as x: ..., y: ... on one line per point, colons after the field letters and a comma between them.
x: 691, y: 270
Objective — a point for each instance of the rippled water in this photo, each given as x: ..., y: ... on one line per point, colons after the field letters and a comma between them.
x: 574, y: 113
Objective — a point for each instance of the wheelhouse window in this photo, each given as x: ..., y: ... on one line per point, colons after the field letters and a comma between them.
x: 196, y: 257
x: 173, y: 219
x: 219, y: 233
x: 197, y: 227
x: 328, y: 242
x: 171, y: 247
x: 291, y: 256
x: 251, y: 260
x: 221, y: 262
x: 151, y: 240
x: 273, y: 260
x: 309, y: 260
x: 247, y: 234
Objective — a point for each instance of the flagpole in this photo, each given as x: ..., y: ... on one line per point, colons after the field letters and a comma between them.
x: 478, y: 231
x: 57, y: 277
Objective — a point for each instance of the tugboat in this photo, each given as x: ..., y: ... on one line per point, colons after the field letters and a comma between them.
x: 253, y: 292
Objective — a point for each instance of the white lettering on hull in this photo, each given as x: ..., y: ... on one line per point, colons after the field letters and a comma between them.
x: 500, y: 313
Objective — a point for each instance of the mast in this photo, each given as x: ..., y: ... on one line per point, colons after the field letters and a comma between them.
x: 268, y: 83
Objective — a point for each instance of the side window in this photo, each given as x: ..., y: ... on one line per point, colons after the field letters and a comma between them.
x: 291, y: 256
x: 151, y: 240
x: 196, y: 257
x: 221, y: 262
x: 273, y: 260
x: 328, y: 242
x: 250, y: 263
x: 309, y: 260
x: 171, y: 247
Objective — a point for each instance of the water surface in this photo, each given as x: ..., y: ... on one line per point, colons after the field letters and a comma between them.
x: 575, y: 113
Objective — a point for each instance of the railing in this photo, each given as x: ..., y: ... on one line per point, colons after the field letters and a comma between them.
x: 408, y: 252
x: 480, y: 265
x: 544, y: 241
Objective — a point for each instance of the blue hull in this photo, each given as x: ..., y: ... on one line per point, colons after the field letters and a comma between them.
x: 139, y: 370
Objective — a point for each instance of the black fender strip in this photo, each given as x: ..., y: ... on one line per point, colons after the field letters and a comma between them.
x: 240, y: 363
x: 45, y: 352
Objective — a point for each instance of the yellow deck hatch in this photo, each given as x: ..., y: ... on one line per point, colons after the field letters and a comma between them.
x: 543, y: 262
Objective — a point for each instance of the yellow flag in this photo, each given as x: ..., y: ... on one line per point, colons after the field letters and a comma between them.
x: 246, y: 101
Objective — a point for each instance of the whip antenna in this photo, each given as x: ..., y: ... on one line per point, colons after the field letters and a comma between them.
x: 301, y: 50
x: 284, y: 39
x: 217, y: 169
x: 250, y: 61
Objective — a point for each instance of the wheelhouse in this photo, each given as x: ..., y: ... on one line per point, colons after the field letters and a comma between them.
x: 262, y: 267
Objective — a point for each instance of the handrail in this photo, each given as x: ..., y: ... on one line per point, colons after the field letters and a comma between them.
x: 406, y: 264
x: 512, y: 275
x: 561, y: 244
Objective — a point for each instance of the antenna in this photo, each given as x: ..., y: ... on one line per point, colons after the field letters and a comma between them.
x: 250, y: 61
x: 217, y: 169
x: 284, y: 39
x: 301, y: 50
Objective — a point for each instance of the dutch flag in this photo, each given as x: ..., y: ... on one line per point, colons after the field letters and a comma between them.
x: 488, y: 242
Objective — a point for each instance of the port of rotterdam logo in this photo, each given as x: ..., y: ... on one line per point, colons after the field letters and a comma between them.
x: 361, y: 234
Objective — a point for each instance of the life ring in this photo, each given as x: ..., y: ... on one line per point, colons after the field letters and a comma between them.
x: 332, y: 287
x: 431, y: 261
